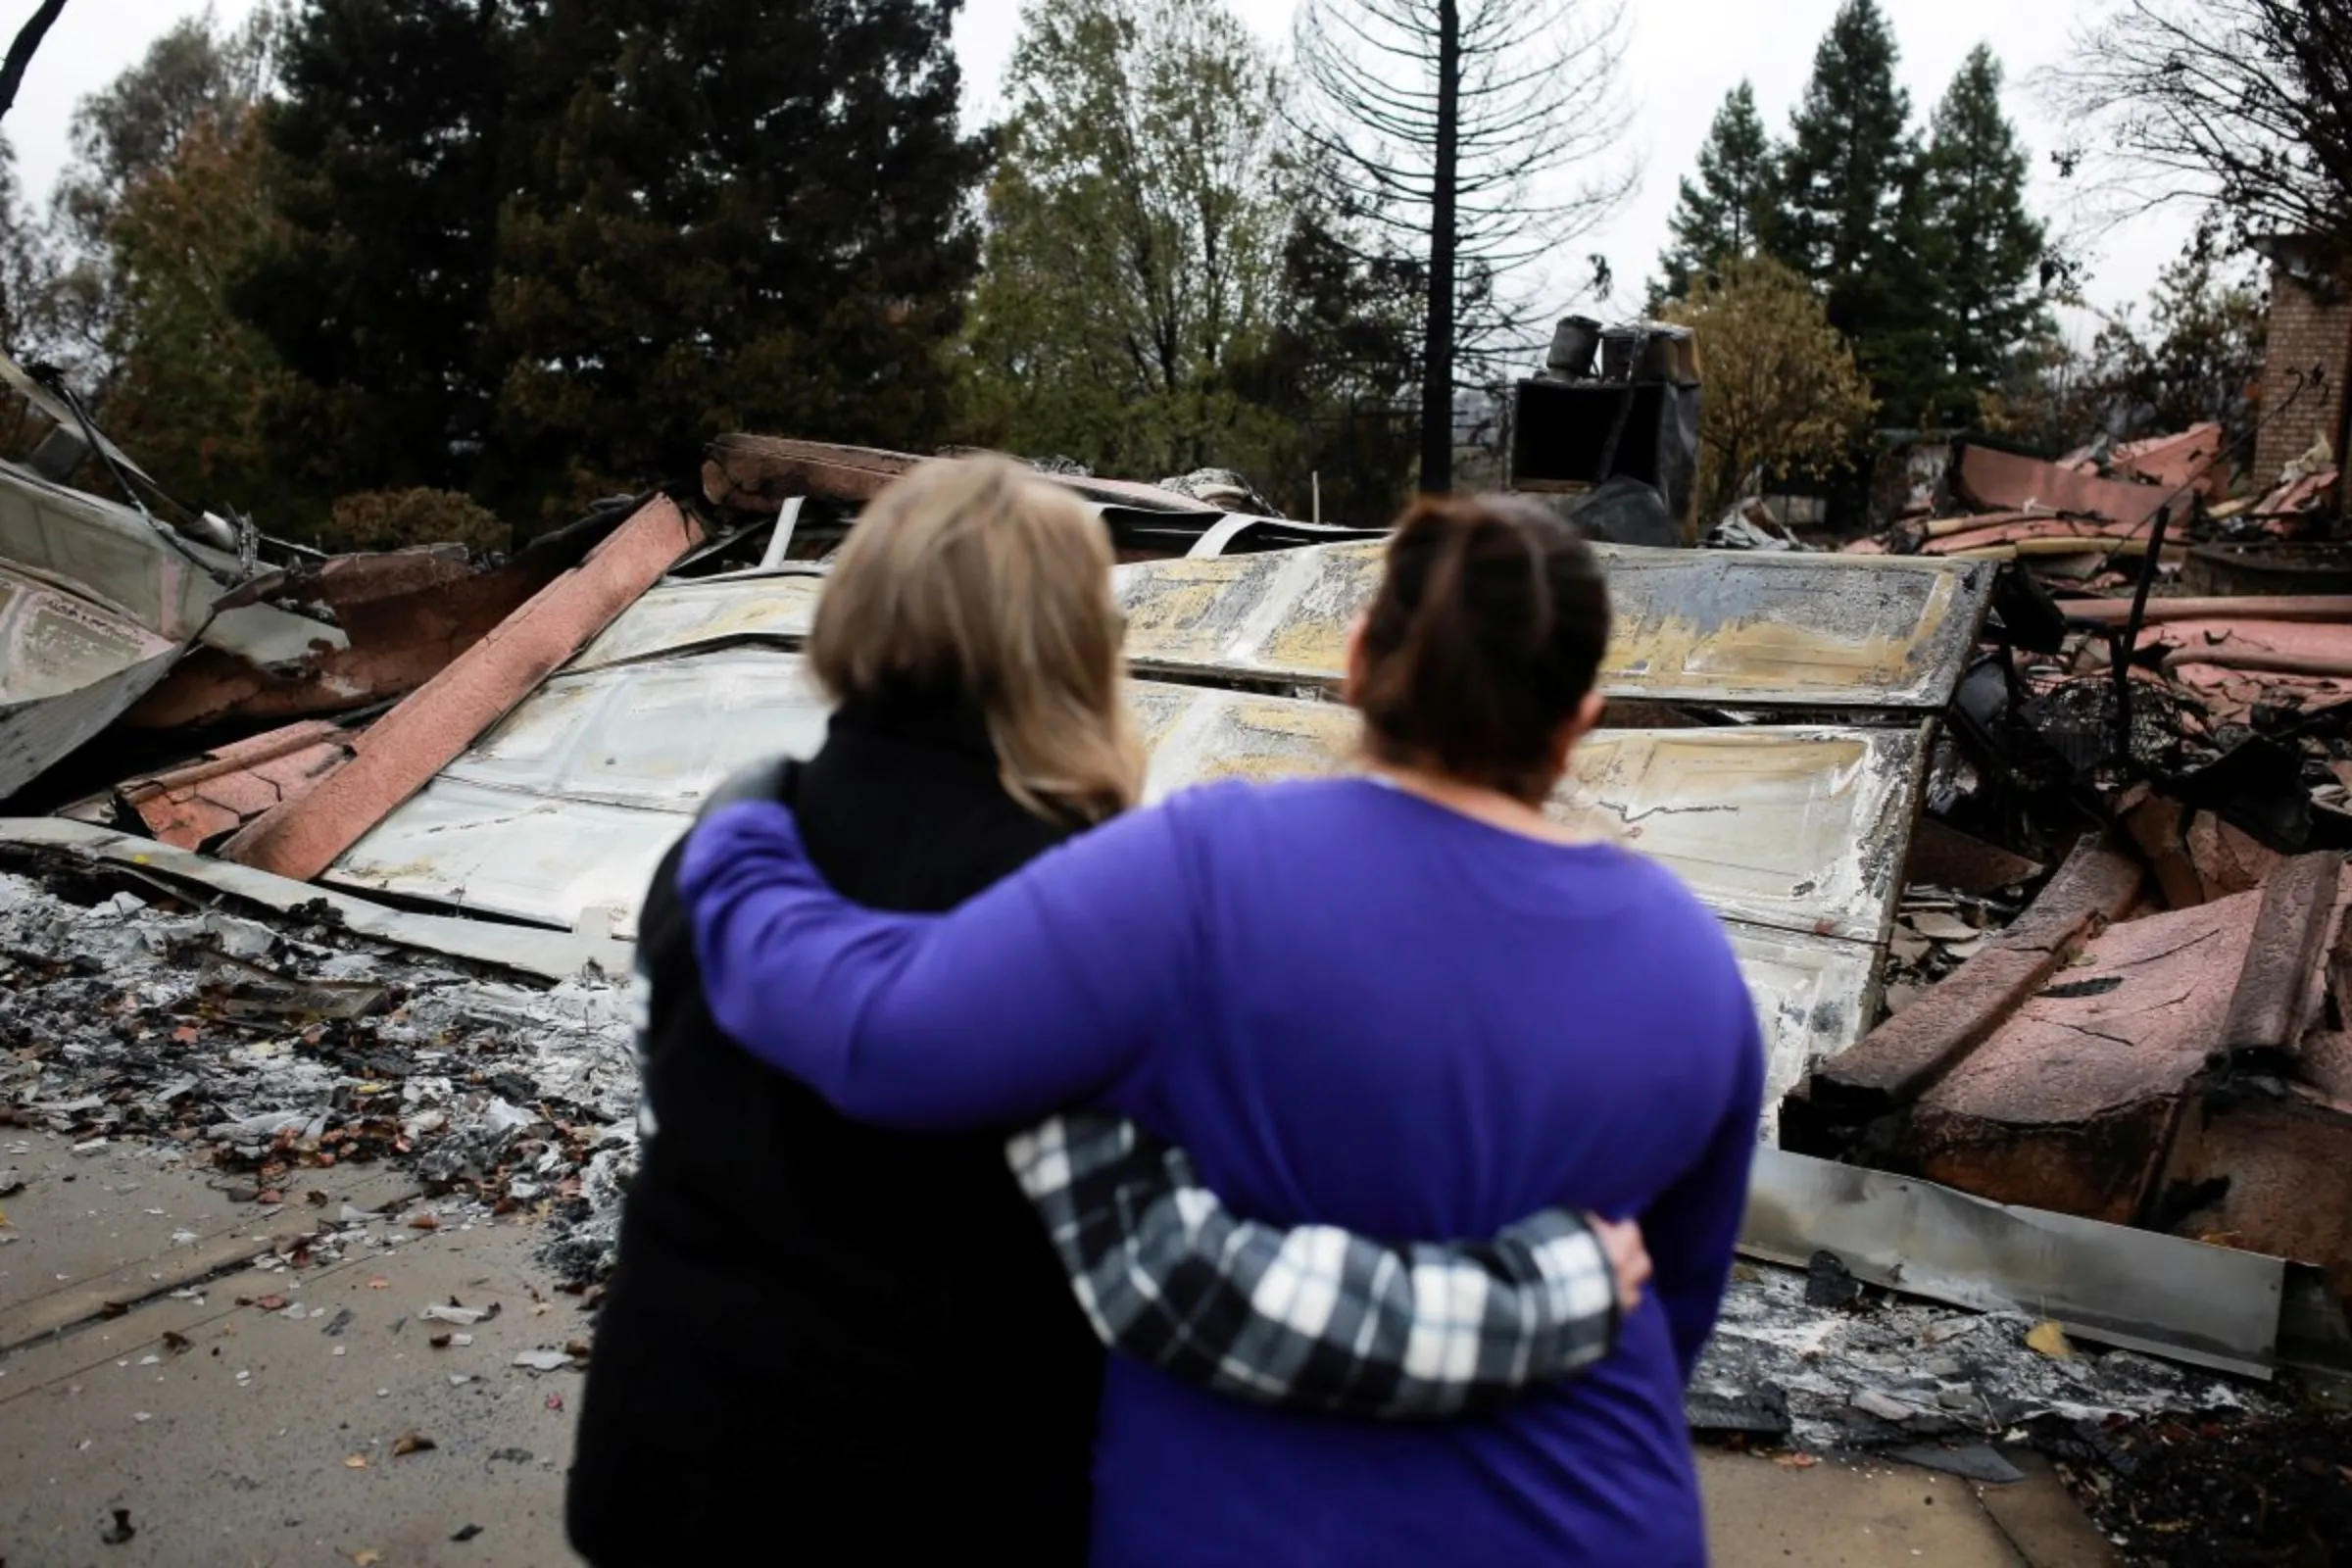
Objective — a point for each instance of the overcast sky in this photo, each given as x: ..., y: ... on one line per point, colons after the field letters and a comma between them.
x: 1684, y: 56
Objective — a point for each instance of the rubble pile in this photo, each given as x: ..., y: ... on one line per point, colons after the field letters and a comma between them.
x: 2214, y: 788
x: 2229, y: 1490
x: 2024, y: 820
x: 268, y: 1053
x: 2151, y: 633
x: 1815, y: 1362
x: 1936, y: 931
x: 2091, y: 518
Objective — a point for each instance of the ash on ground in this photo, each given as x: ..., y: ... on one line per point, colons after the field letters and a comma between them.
x: 266, y: 1051
x: 1873, y: 1371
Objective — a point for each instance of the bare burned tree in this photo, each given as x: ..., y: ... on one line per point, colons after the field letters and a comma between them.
x: 2243, y: 104
x: 20, y: 52
x: 1478, y: 135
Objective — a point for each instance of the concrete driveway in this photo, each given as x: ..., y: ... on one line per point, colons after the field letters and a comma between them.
x: 168, y: 1402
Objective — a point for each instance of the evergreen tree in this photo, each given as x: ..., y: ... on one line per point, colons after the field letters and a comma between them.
x: 1720, y: 215
x: 1987, y: 249
x: 1853, y: 214
x: 728, y: 215
x: 375, y: 284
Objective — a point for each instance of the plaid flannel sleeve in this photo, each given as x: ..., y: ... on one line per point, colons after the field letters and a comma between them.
x: 1313, y: 1316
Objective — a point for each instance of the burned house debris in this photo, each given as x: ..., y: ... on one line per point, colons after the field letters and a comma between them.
x: 1613, y: 418
x: 2026, y: 827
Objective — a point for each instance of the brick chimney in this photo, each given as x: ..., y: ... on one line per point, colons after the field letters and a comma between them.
x: 2311, y: 337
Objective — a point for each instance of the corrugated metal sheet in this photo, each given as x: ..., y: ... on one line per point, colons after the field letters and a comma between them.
x: 103, y: 551
x: 679, y: 616
x: 569, y: 804
x: 110, y: 555
x: 2208, y: 1305
x: 1794, y: 835
x: 95, y: 609
x: 1700, y: 627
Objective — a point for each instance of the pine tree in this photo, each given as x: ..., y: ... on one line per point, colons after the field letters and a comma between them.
x: 1987, y: 249
x: 728, y: 215
x: 1852, y: 212
x: 1479, y: 135
x: 374, y: 286
x: 1720, y: 215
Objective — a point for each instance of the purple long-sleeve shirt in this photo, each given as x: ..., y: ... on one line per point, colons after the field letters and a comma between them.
x: 1355, y: 1008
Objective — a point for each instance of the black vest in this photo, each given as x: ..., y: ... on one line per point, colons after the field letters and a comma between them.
x: 827, y: 1342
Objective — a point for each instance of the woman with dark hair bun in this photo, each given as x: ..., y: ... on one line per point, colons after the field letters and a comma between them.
x: 1408, y: 1004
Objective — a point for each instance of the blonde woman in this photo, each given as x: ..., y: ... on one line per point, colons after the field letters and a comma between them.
x: 832, y: 1342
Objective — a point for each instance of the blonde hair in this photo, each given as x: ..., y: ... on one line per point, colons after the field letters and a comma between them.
x: 972, y: 578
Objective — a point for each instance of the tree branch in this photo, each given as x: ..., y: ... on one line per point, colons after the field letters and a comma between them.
x: 20, y: 52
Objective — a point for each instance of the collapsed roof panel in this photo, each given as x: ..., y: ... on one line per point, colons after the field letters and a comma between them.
x: 205, y: 801
x: 2007, y: 481
x: 567, y: 806
x: 1703, y: 626
x: 400, y: 617
x: 99, y: 607
x: 1802, y: 829
x: 1713, y: 627
x: 562, y: 811
x: 107, y: 553
x: 677, y: 616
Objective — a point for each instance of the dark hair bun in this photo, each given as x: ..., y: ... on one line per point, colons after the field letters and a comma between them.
x: 1486, y: 636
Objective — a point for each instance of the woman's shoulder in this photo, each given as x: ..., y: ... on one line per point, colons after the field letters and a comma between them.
x: 1674, y: 898
x: 1231, y: 810
x: 1660, y: 911
x: 1243, y: 796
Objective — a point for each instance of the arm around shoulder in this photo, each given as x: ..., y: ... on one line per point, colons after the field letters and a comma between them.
x: 1039, y: 991
x: 1309, y: 1316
